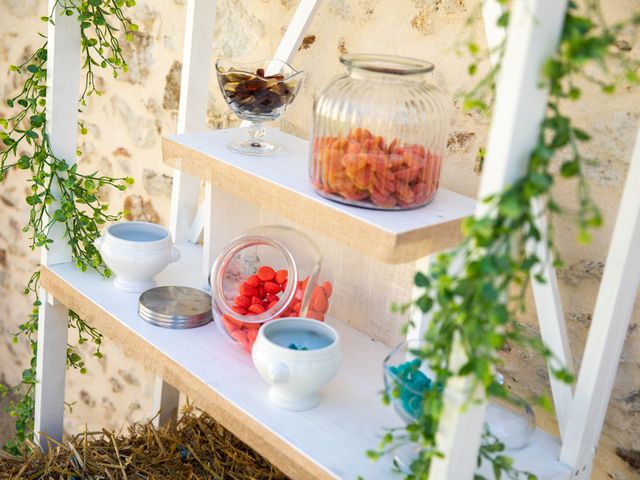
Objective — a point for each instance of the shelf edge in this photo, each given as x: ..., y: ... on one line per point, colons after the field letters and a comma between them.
x: 244, y: 426
x: 378, y: 244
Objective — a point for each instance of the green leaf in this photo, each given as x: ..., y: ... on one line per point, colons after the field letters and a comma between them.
x: 570, y: 168
x: 424, y: 303
x: 581, y: 135
x: 584, y: 237
x: 503, y: 20
x: 24, y: 162
x: 510, y: 206
x: 421, y: 280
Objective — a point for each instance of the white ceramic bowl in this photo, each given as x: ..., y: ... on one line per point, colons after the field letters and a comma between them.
x: 296, y: 375
x: 136, y: 252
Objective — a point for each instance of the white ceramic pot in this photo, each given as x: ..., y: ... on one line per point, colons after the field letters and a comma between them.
x: 296, y: 375
x: 136, y: 252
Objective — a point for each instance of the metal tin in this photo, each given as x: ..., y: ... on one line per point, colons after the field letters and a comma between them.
x: 175, y: 307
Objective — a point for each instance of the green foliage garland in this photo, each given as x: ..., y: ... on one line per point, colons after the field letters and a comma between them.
x: 476, y: 292
x: 59, y: 193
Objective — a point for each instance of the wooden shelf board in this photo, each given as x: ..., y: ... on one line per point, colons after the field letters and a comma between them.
x: 328, y: 441
x: 281, y: 184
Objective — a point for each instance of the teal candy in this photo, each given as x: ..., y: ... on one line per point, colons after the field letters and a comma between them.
x: 413, y: 383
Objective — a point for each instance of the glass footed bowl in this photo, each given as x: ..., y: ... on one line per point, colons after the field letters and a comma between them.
x: 257, y: 92
x: 407, y: 379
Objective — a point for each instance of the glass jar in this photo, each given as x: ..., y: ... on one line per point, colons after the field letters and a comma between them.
x: 268, y: 272
x: 379, y: 134
x: 407, y: 379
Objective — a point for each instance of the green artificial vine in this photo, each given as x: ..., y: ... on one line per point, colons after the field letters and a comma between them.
x: 60, y: 194
x: 476, y: 293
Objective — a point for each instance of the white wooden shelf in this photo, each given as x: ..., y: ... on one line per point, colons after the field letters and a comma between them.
x: 328, y: 441
x: 281, y: 184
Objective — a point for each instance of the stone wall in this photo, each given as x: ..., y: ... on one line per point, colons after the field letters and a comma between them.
x: 126, y: 125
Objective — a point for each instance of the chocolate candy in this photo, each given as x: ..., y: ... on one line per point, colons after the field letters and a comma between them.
x: 254, y: 94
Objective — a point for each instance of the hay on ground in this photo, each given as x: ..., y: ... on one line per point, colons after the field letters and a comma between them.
x: 196, y: 448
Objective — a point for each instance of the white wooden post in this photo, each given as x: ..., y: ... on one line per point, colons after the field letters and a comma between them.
x: 166, y: 399
x: 296, y: 30
x: 611, y: 318
x: 534, y: 31
x: 419, y: 321
x: 228, y: 216
x: 287, y: 49
x: 63, y: 82
x: 192, y: 115
x: 548, y: 303
x: 553, y: 328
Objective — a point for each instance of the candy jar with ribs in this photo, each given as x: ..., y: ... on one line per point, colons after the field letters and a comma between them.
x: 268, y: 272
x: 257, y: 92
x: 379, y: 134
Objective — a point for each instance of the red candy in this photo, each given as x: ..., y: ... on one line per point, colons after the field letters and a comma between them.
x: 239, y: 310
x: 255, y: 300
x: 281, y: 277
x: 256, y: 308
x: 271, y: 287
x: 243, y: 301
x: 258, y: 294
x: 266, y: 274
x: 248, y: 291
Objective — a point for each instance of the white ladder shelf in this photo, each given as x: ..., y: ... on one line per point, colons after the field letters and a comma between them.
x: 329, y: 441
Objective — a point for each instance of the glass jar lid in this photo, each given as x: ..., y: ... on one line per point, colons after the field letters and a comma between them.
x: 391, y: 64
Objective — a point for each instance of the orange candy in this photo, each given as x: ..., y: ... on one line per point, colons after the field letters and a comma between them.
x: 319, y: 302
x: 328, y: 288
x: 251, y: 336
x: 315, y: 315
x: 364, y: 167
x: 229, y: 323
x: 242, y: 339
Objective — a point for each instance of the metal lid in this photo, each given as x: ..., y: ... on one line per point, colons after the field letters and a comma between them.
x: 175, y: 307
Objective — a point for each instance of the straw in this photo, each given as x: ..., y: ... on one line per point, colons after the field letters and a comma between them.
x: 197, y: 447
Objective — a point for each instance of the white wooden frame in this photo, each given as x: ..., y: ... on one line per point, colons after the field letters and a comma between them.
x: 533, y: 35
x: 63, y: 81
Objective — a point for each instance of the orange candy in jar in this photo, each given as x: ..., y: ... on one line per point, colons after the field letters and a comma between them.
x: 366, y: 168
x: 379, y: 134
x: 267, y: 273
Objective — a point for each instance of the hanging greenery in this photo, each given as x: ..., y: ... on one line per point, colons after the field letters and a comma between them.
x: 475, y: 293
x: 59, y: 193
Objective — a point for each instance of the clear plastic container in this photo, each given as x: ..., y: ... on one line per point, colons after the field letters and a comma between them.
x: 379, y: 134
x: 268, y: 272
